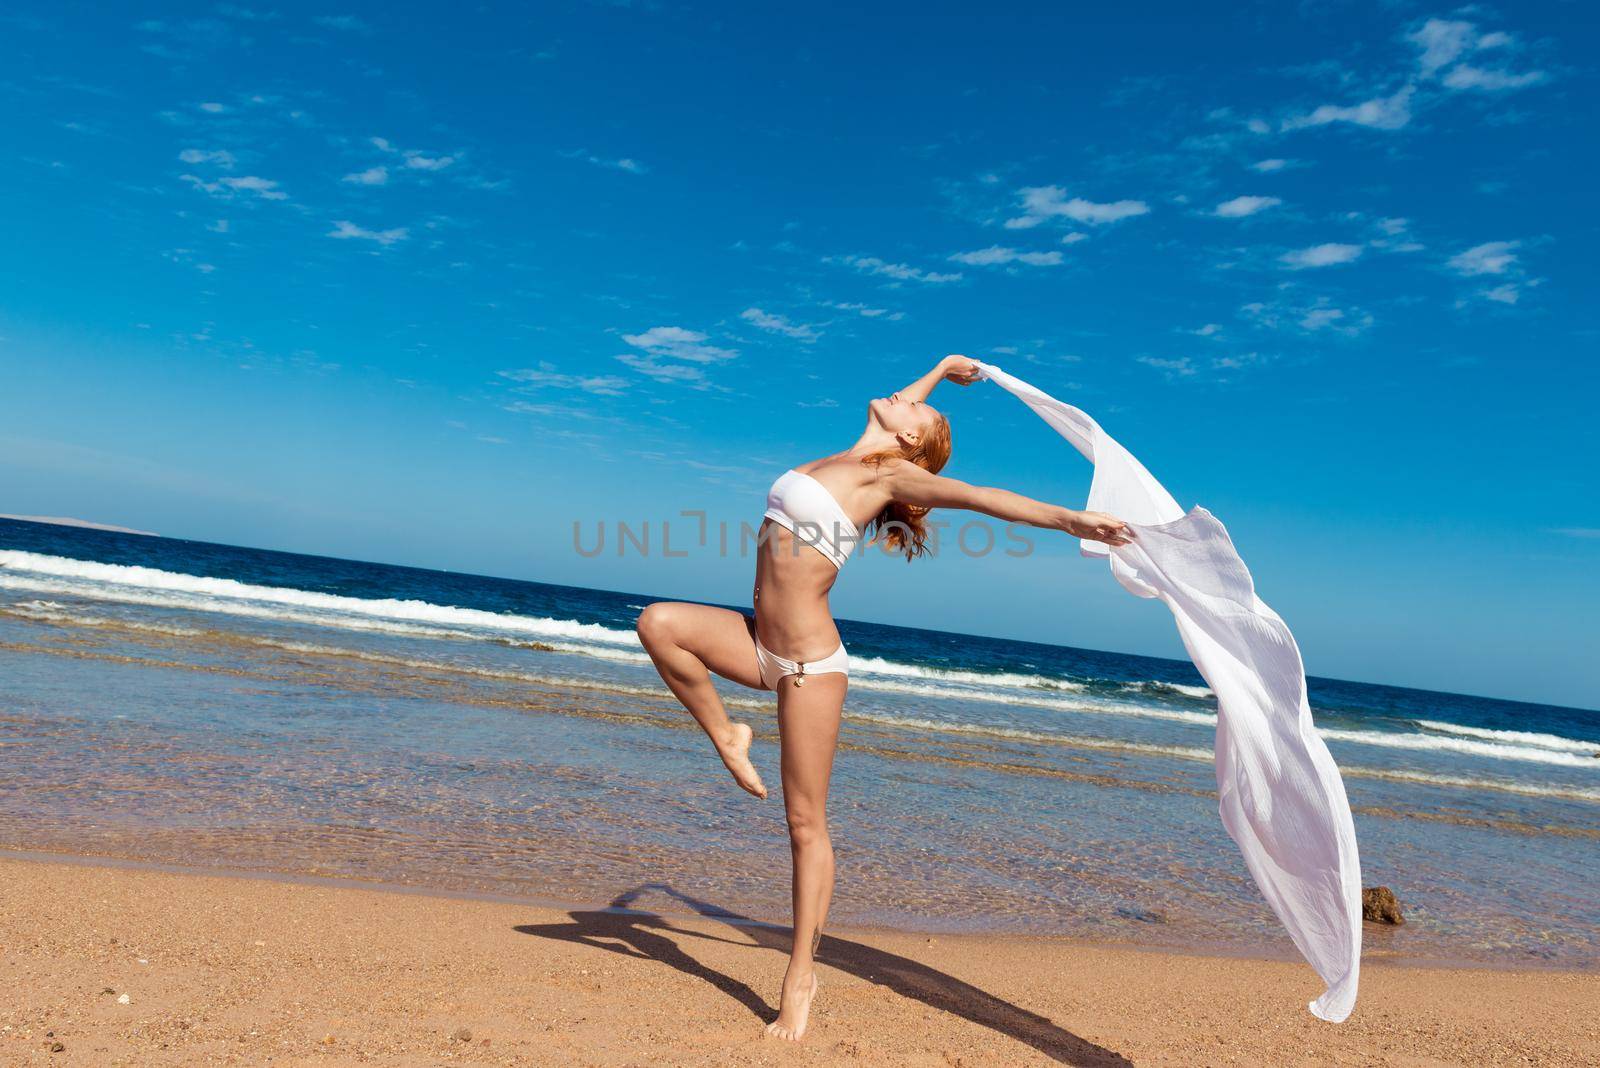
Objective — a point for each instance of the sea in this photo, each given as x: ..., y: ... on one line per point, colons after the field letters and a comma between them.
x: 242, y: 710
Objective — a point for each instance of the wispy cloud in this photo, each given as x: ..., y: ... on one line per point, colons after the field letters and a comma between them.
x: 1181, y: 367
x: 632, y: 166
x: 419, y: 161
x: 411, y: 158
x: 778, y: 324
x: 679, y: 344
x: 900, y: 272
x: 1494, y: 259
x: 378, y: 175
x: 1269, y: 166
x: 1041, y: 203
x: 1445, y: 46
x: 996, y: 255
x: 221, y: 157
x: 345, y: 230
x: 1296, y: 316
x: 674, y: 354
x: 1491, y: 257
x: 1239, y: 207
x: 546, y: 375
x: 1327, y: 255
x: 226, y: 187
x: 1380, y: 113
x: 866, y: 311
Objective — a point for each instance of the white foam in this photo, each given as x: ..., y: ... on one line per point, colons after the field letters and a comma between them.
x: 1525, y: 738
x: 122, y: 582
x: 1472, y: 747
x: 872, y: 665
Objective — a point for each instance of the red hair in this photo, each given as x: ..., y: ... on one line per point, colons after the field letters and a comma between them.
x: 902, y: 526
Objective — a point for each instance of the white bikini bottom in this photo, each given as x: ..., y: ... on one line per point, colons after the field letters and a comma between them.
x: 774, y: 668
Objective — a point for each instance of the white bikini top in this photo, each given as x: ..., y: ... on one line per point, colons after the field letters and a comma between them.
x: 802, y: 505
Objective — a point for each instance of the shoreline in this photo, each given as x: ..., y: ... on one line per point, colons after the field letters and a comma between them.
x: 228, y: 969
x: 1263, y: 953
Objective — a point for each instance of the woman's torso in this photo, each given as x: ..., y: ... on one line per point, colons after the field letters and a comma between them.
x: 793, y: 578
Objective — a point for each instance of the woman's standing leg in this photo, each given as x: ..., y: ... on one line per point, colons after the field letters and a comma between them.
x: 688, y: 642
x: 808, y: 724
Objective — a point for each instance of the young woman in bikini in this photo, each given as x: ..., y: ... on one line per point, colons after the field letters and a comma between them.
x: 879, y: 490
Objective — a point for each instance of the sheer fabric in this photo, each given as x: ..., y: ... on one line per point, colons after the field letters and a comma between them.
x: 1280, y: 794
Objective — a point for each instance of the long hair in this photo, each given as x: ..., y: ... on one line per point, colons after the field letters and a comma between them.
x: 901, y: 526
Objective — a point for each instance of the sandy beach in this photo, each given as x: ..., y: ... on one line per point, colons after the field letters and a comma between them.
x: 123, y: 965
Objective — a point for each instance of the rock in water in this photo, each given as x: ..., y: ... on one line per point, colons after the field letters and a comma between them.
x: 1379, y: 905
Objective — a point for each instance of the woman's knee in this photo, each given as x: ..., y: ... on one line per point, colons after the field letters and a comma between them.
x: 808, y: 826
x: 657, y: 624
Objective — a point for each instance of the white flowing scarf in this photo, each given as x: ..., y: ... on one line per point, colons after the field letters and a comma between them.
x: 1279, y: 791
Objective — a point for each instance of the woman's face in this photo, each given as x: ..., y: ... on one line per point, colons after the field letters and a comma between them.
x: 903, y: 417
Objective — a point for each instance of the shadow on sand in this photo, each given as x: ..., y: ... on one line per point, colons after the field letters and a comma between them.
x: 621, y: 928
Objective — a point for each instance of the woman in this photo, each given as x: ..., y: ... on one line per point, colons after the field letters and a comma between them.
x: 881, y: 488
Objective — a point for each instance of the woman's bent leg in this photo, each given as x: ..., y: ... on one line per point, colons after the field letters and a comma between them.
x: 808, y: 721
x: 688, y: 642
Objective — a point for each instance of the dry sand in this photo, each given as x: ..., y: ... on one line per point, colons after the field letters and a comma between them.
x: 120, y: 965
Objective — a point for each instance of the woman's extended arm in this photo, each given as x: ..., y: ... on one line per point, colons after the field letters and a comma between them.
x: 908, y: 483
x: 957, y: 369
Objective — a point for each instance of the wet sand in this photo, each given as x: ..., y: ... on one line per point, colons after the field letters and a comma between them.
x: 229, y: 970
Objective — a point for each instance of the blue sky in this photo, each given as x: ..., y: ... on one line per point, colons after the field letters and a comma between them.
x: 426, y: 286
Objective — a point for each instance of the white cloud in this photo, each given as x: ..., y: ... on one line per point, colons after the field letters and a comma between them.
x: 220, y: 156
x: 1379, y: 113
x: 378, y: 175
x: 901, y: 272
x: 546, y: 375
x: 995, y: 254
x: 683, y: 374
x: 632, y: 166
x: 212, y: 107
x: 220, y: 226
x: 1320, y: 314
x: 1327, y: 255
x: 1509, y: 293
x: 346, y: 230
x: 1043, y: 202
x: 869, y: 312
x: 383, y: 144
x: 1442, y: 41
x: 1491, y: 257
x: 1267, y: 166
x: 417, y: 161
x: 1239, y: 207
x: 1208, y: 330
x: 778, y: 324
x: 1074, y: 237
x: 264, y: 188
x: 678, y: 343
x: 1468, y: 77
x: 1180, y: 367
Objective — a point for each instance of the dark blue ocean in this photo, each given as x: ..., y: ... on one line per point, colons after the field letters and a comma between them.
x: 213, y: 706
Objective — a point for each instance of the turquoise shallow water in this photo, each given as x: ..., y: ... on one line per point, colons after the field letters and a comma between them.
x: 209, y: 705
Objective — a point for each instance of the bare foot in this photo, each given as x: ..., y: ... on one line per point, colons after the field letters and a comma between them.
x: 794, y: 1007
x: 735, y: 753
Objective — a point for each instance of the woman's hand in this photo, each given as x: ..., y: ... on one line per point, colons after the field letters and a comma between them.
x: 960, y: 370
x: 1097, y: 526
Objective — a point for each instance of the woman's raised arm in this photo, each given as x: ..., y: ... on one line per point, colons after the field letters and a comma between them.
x: 957, y: 369
x: 910, y: 484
